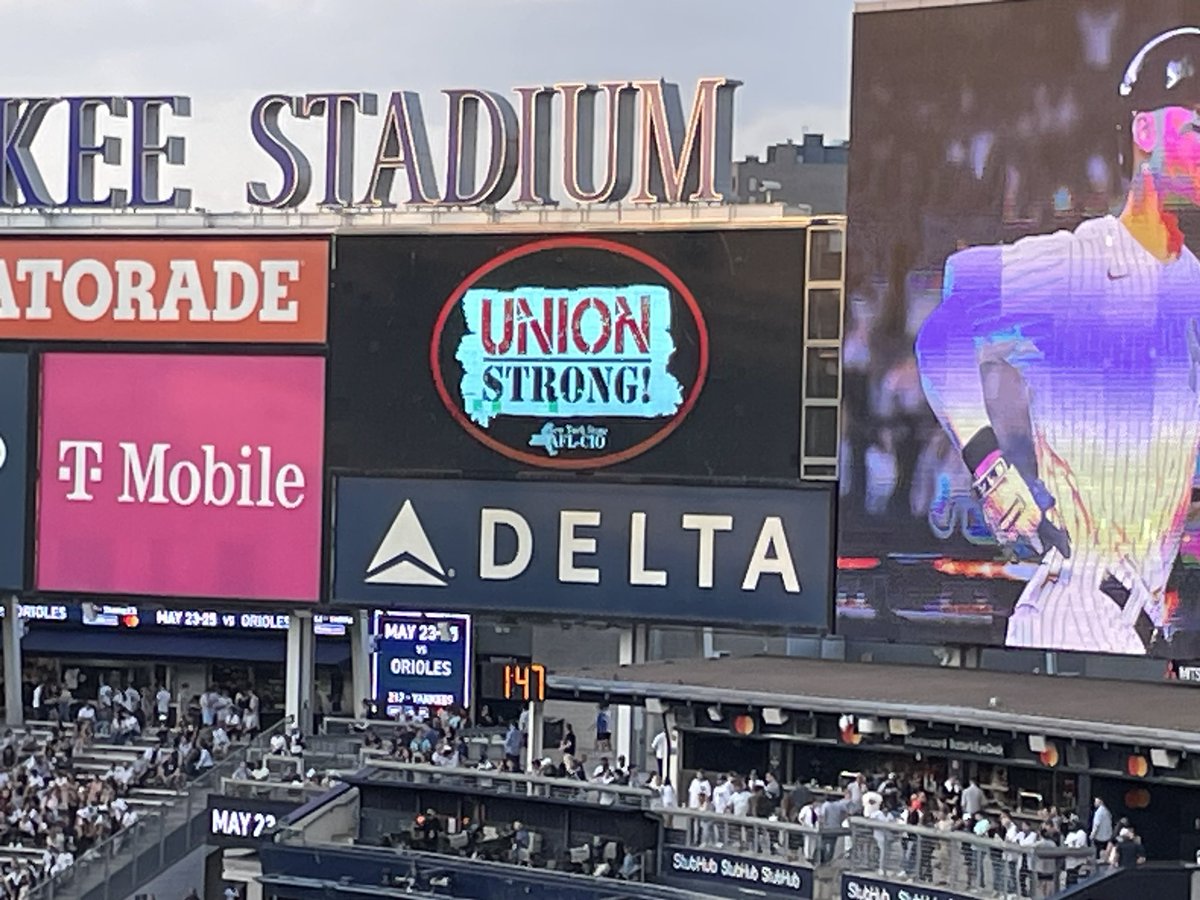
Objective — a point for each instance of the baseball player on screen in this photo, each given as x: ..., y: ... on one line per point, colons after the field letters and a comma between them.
x: 1064, y: 367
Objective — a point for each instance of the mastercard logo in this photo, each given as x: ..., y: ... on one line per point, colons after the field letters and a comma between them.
x: 743, y: 724
x: 1137, y: 766
x: 1049, y: 756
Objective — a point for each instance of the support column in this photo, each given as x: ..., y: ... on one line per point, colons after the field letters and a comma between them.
x: 14, y: 704
x: 629, y: 738
x: 533, y: 735
x: 360, y: 661
x: 301, y: 667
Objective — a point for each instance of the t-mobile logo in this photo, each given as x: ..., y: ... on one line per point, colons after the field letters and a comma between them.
x: 80, y: 466
x: 159, y: 476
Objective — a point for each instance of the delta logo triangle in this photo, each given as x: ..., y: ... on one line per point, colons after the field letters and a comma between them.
x: 405, y: 555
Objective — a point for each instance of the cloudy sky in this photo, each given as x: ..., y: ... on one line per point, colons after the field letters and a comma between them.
x: 793, y: 57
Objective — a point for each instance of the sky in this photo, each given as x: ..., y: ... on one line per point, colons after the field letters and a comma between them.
x: 793, y: 57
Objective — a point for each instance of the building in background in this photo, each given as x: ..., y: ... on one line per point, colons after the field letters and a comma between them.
x: 810, y: 173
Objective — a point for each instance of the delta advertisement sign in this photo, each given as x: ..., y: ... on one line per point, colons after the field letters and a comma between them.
x: 180, y: 476
x: 647, y: 551
x: 251, y: 291
x: 588, y: 370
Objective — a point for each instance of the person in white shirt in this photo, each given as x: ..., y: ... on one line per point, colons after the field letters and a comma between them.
x: 251, y: 722
x: 661, y: 746
x: 858, y: 787
x: 205, y: 761
x: 87, y: 713
x: 972, y: 799
x: 162, y: 704
x: 1076, y: 839
x: 722, y: 795
x: 740, y: 801
x: 700, y: 785
x: 668, y: 794
x: 220, y: 739
x: 809, y: 818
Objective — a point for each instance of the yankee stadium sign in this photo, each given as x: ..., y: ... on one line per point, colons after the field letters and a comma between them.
x: 652, y: 151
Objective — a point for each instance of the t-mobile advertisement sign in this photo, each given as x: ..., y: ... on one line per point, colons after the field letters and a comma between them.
x: 182, y: 476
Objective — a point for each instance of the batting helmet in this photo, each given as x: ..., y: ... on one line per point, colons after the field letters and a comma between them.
x: 1165, y: 72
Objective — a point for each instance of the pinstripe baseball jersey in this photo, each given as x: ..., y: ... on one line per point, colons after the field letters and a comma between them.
x: 1105, y: 338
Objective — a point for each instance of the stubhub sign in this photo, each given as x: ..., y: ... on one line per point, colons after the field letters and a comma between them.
x: 705, y: 554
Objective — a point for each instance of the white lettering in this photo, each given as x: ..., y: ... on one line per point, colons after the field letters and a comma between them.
x: 224, y: 307
x: 78, y: 470
x: 222, y: 822
x: 275, y: 291
x: 153, y: 478
x: 264, y: 478
x: 569, y: 545
x: 73, y: 302
x: 135, y: 278
x: 707, y: 526
x: 212, y: 469
x: 638, y: 573
x: 185, y: 285
x: 37, y: 272
x: 141, y: 474
x: 173, y: 480
x: 289, y: 478
x: 771, y: 556
x: 8, y: 301
x: 426, y: 668
x: 489, y: 569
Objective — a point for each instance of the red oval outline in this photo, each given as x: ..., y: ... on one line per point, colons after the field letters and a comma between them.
x: 574, y: 242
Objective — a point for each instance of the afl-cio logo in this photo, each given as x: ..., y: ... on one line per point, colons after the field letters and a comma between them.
x: 570, y: 353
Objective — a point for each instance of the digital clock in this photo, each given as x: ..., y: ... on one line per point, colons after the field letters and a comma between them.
x: 526, y: 682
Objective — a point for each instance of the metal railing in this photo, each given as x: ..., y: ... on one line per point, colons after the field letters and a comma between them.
x: 270, y: 790
x: 763, y: 839
x: 962, y: 862
x: 495, y: 782
x: 116, y: 867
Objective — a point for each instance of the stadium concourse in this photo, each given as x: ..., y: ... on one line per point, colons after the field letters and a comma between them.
x: 1038, y: 748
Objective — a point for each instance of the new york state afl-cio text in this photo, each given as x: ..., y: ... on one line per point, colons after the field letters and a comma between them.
x: 260, y: 290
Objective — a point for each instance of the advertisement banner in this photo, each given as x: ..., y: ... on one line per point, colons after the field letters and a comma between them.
x: 1023, y: 335
x: 698, y: 554
x: 421, y: 661
x: 181, y: 476
x: 667, y: 353
x: 858, y: 887
x: 264, y: 290
x: 14, y: 414
x: 724, y: 872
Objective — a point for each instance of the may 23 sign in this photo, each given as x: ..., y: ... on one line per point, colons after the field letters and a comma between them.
x: 420, y: 661
x: 587, y: 368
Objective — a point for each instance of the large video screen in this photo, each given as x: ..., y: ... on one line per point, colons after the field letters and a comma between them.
x: 1021, y: 423
x: 646, y: 353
